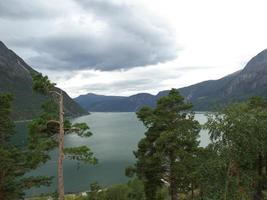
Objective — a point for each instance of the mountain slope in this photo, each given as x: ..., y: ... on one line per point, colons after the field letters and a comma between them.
x: 92, y: 99
x: 250, y: 81
x: 15, y: 78
x: 102, y: 103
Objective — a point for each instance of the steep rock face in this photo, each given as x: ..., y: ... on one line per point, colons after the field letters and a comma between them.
x: 208, y: 94
x: 252, y: 79
x: 15, y: 78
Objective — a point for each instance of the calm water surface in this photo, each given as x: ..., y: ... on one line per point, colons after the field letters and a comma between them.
x: 115, y: 136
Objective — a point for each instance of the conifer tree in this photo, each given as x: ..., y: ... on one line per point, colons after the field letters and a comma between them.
x: 48, y: 130
x: 15, y: 161
x: 167, y: 153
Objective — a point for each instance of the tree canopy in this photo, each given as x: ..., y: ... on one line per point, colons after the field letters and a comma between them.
x: 166, y: 155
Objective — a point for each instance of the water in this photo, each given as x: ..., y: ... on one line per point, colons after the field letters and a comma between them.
x: 115, y: 136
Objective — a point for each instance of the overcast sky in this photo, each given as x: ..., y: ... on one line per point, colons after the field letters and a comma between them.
x: 123, y: 47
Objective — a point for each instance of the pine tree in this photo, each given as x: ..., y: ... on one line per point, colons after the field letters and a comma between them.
x: 14, y: 161
x: 167, y: 153
x: 49, y: 129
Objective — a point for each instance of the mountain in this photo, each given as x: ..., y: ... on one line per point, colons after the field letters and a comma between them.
x: 102, y: 103
x: 250, y: 81
x: 15, y: 78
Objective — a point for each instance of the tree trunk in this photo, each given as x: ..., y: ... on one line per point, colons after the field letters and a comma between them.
x: 61, y: 149
x: 173, y: 190
x: 173, y: 180
x: 258, y: 193
x: 192, y: 191
x: 2, y: 195
x: 226, y: 185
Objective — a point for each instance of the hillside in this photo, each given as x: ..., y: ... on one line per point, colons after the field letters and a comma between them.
x: 15, y: 78
x: 252, y: 80
x: 101, y: 103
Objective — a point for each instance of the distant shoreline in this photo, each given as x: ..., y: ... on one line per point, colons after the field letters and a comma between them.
x: 107, y: 112
x: 67, y: 117
x: 196, y: 112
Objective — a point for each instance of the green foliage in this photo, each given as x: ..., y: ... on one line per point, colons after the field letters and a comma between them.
x: 42, y: 135
x: 82, y: 129
x: 238, y: 152
x: 232, y: 167
x: 15, y: 161
x: 81, y: 153
x: 118, y: 192
x: 96, y: 192
x: 136, y: 190
x: 7, y: 125
x: 44, y: 131
x: 169, y: 150
x: 41, y: 83
x: 38, y: 181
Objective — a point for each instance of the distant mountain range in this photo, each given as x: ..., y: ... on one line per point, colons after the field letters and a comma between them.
x: 15, y: 78
x: 101, y: 103
x: 250, y: 81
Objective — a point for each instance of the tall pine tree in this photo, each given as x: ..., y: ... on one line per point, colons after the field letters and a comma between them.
x: 47, y: 131
x: 167, y: 153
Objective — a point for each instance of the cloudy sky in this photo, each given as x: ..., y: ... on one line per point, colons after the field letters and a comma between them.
x: 122, y: 47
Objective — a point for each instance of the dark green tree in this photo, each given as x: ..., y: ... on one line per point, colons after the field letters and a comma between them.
x: 49, y: 129
x: 167, y: 153
x: 14, y: 160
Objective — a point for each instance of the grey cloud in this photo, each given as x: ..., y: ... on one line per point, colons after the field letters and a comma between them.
x: 120, y: 85
x: 81, y: 52
x: 26, y: 9
x: 131, y: 38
